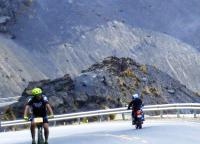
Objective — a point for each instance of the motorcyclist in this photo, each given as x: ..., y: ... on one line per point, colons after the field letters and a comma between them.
x: 39, y: 106
x: 136, y: 105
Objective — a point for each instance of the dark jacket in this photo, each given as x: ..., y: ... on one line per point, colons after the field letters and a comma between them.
x: 136, y: 104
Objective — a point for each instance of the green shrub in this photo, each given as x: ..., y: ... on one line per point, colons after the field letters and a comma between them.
x: 84, y: 120
x: 112, y: 116
x: 9, y: 114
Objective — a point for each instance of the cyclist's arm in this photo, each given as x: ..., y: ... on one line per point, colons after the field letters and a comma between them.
x: 49, y: 109
x: 26, y: 110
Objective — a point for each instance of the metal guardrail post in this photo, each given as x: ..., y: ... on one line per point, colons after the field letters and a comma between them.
x: 108, y: 118
x: 99, y: 118
x: 1, y: 116
x: 0, y: 121
x: 195, y: 114
x: 123, y: 116
x: 178, y: 113
x: 54, y: 123
x: 161, y: 113
x: 79, y: 120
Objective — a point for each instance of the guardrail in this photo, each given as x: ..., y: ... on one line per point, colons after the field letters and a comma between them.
x: 8, y: 100
x: 123, y: 110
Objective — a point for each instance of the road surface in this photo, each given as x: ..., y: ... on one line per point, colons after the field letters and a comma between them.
x: 153, y: 132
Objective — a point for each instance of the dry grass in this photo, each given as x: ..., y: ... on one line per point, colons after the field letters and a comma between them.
x: 143, y: 68
x: 150, y: 91
x: 128, y: 73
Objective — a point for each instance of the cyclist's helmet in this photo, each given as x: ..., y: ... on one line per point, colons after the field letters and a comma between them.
x: 135, y: 96
x: 36, y: 91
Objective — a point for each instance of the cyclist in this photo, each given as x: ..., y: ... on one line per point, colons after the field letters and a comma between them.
x: 39, y: 106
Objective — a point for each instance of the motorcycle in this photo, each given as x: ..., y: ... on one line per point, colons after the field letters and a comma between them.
x: 138, y: 118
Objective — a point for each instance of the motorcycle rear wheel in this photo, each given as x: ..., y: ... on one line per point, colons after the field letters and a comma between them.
x: 138, y: 126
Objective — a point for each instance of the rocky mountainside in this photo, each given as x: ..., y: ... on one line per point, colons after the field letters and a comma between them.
x: 9, y: 10
x: 50, y: 38
x: 178, y: 18
x: 109, y: 84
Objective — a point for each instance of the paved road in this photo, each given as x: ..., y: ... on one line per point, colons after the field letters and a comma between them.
x: 154, y: 132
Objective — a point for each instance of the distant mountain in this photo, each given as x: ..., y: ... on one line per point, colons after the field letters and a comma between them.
x: 47, y: 38
x: 109, y: 84
x: 56, y: 22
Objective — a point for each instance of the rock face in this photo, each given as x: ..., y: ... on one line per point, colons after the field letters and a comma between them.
x: 9, y: 9
x: 54, y: 38
x: 109, y: 84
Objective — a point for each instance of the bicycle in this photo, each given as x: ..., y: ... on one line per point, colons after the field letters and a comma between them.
x: 39, y: 122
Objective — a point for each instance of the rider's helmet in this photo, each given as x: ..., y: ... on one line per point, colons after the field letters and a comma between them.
x: 135, y: 96
x: 36, y: 91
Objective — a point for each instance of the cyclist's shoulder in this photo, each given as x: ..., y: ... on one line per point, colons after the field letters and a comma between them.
x: 44, y: 97
x: 30, y: 99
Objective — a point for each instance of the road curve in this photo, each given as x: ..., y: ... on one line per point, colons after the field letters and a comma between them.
x: 153, y: 132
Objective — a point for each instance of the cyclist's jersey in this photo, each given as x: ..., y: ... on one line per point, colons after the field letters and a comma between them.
x: 38, y: 106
